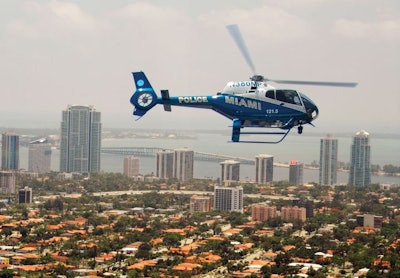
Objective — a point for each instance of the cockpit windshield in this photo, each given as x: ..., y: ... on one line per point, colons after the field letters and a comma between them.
x: 288, y: 96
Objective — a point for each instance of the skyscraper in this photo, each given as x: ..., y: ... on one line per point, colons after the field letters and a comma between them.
x: 39, y: 156
x: 328, y: 160
x: 264, y: 168
x: 10, y: 151
x: 131, y: 166
x: 360, y: 165
x: 164, y: 164
x: 230, y: 171
x: 80, y: 139
x: 183, y: 164
x: 228, y: 199
x: 295, y: 173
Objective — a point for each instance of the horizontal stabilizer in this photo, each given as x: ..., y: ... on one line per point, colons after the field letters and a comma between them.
x: 165, y: 96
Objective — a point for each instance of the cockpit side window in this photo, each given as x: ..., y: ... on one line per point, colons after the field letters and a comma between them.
x: 270, y: 94
x: 289, y: 96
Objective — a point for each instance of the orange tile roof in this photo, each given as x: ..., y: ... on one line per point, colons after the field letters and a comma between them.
x: 270, y: 254
x: 288, y: 247
x: 80, y: 232
x: 216, y: 238
x: 156, y: 241
x: 186, y: 267
x: 379, y: 262
x: 59, y: 257
x: 260, y: 263
x: 106, y: 257
x: 4, y: 218
x: 54, y: 227
x: 29, y: 268
x: 175, y: 231
x: 244, y: 246
x: 141, y: 265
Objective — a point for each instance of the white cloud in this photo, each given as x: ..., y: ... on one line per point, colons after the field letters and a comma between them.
x: 376, y: 30
x: 265, y: 22
x: 52, y: 19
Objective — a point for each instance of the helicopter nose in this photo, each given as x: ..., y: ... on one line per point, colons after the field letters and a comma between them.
x: 314, y: 113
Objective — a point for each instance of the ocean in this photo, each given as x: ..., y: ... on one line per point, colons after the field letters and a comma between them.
x: 303, y: 148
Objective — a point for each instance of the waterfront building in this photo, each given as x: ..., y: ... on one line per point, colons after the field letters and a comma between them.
x: 39, y: 160
x: 228, y: 198
x: 295, y: 173
x: 309, y: 206
x: 164, y: 164
x: 230, y: 171
x: 200, y: 203
x: 328, y: 161
x: 369, y: 221
x: 80, y: 139
x: 360, y: 165
x: 263, y: 212
x: 7, y: 182
x: 9, y: 151
x: 131, y: 167
x: 25, y: 195
x: 183, y: 164
x: 293, y: 213
x: 264, y: 168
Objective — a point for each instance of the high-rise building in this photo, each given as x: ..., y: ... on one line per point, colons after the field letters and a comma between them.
x: 295, y: 173
x: 39, y: 160
x: 25, y: 195
x: 360, y: 165
x: 80, y: 139
x: 328, y: 160
x: 183, y: 164
x: 262, y: 212
x: 264, y: 168
x: 369, y: 221
x: 200, y: 203
x: 228, y: 198
x: 230, y: 171
x: 7, y: 182
x: 131, y: 166
x: 165, y: 164
x: 9, y: 151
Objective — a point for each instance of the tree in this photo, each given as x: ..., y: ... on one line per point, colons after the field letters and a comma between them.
x: 6, y: 273
x: 143, y: 251
x: 172, y: 239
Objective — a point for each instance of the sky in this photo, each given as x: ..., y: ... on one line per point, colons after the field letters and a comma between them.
x: 58, y: 53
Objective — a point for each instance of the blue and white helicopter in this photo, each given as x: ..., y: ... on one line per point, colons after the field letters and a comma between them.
x: 253, y: 103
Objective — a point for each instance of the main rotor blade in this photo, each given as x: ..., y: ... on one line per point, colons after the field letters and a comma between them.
x: 315, y: 83
x: 237, y: 37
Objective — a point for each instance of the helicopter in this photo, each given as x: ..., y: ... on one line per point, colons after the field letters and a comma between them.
x: 252, y: 103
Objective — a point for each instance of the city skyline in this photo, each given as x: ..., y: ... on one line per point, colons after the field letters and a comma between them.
x: 70, y: 43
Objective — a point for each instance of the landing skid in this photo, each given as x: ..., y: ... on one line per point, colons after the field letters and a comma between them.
x: 236, y: 127
x: 284, y: 134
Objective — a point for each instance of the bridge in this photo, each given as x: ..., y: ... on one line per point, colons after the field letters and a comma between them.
x: 152, y: 151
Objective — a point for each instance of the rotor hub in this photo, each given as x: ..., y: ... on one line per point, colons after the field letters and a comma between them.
x: 257, y: 78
